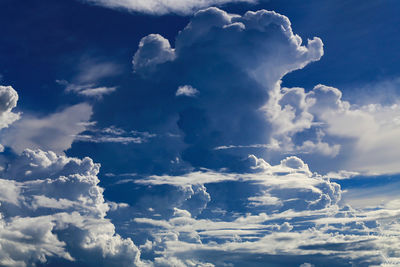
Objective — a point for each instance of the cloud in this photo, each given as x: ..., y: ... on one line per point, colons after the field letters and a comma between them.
x: 360, y: 138
x: 54, y: 132
x: 240, y: 76
x: 8, y: 101
x: 91, y: 72
x: 53, y: 208
x: 89, y: 90
x: 186, y: 90
x: 153, y: 50
x: 223, y: 208
x: 279, y: 210
x: 113, y: 135
x: 162, y: 7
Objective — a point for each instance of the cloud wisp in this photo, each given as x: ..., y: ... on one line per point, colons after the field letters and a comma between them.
x: 162, y: 7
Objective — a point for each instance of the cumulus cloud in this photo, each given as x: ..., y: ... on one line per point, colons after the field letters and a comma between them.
x: 8, y: 101
x: 153, y: 50
x: 244, y: 83
x: 53, y: 208
x: 281, y: 209
x: 161, y: 7
x: 186, y: 90
x: 54, y: 132
x: 362, y: 135
x: 240, y: 76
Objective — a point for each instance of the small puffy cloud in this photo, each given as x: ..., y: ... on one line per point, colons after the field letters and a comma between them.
x: 153, y: 50
x: 8, y: 101
x: 54, y: 132
x: 186, y: 90
x: 161, y: 7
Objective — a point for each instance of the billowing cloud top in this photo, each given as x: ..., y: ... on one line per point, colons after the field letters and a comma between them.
x: 8, y: 101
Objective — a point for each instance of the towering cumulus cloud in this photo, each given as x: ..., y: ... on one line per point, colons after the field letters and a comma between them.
x: 52, y: 209
x: 234, y: 62
x: 241, y: 210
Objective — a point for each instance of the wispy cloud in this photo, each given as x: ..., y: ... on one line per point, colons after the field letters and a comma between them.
x: 91, y: 73
x: 161, y: 7
x: 114, y: 135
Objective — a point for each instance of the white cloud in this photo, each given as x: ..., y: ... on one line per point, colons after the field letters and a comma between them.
x: 90, y: 73
x: 161, y: 7
x: 54, y: 132
x: 89, y: 90
x: 153, y: 50
x: 186, y: 90
x: 364, y: 135
x: 114, y: 135
x: 234, y: 79
x: 8, y: 101
x: 53, y: 207
x: 282, y: 226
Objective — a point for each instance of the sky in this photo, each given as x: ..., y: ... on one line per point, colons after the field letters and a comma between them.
x: 199, y: 133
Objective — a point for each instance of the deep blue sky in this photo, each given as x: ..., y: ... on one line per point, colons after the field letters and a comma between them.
x: 212, y: 144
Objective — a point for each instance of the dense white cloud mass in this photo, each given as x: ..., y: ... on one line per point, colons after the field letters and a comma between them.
x: 52, y: 208
x: 364, y: 135
x: 161, y: 7
x: 54, y: 132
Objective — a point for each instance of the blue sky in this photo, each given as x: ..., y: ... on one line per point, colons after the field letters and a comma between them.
x: 199, y: 133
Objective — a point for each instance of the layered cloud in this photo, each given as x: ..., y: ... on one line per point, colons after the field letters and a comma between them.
x: 161, y: 7
x: 272, y: 211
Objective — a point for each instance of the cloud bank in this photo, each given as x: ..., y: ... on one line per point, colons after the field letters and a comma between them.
x: 53, y: 211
